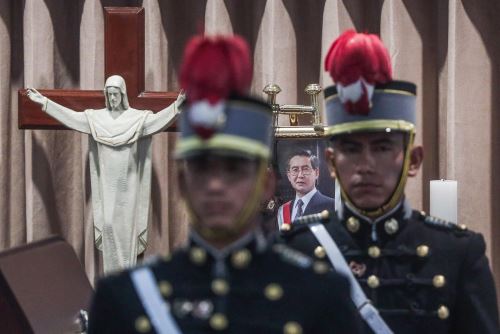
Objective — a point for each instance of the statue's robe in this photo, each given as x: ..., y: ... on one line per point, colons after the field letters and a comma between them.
x: 120, y: 169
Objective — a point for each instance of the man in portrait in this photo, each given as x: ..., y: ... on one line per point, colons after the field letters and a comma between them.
x: 303, y: 173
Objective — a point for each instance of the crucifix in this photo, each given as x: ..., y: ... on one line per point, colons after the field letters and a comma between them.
x: 119, y: 136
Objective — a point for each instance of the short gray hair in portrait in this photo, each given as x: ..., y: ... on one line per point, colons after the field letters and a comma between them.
x: 303, y: 153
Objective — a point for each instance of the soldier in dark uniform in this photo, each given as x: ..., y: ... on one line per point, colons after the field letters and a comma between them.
x: 229, y: 278
x: 423, y: 274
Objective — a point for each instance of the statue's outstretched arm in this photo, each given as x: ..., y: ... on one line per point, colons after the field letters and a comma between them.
x: 157, y: 122
x: 70, y: 118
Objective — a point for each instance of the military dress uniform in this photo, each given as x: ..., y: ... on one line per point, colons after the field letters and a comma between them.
x: 423, y: 274
x: 249, y: 285
x: 254, y: 287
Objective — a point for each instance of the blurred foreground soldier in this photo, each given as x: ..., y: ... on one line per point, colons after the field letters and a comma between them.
x: 423, y: 274
x: 228, y: 278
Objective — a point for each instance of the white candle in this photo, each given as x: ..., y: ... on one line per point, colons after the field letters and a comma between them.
x: 443, y: 200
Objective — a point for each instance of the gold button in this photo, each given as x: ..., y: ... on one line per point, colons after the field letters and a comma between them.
x: 198, y: 255
x: 463, y: 227
x: 320, y: 252
x: 320, y: 267
x: 292, y: 327
x: 273, y: 291
x: 241, y: 258
x: 391, y: 226
x: 286, y: 227
x: 352, y: 224
x: 439, y: 281
x: 220, y: 287
x: 374, y: 252
x: 165, y: 288
x: 218, y: 322
x: 373, y: 282
x: 142, y: 324
x: 423, y: 250
x: 443, y: 312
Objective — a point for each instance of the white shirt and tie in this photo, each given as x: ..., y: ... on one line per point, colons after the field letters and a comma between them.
x: 300, y: 203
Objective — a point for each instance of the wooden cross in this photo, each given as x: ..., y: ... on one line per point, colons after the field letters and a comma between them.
x: 124, y: 55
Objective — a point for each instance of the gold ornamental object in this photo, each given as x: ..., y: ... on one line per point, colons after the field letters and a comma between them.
x: 273, y: 291
x: 374, y: 252
x: 373, y: 282
x: 292, y: 327
x: 423, y: 250
x: 320, y: 267
x: 438, y: 281
x: 241, y: 259
x: 142, y: 324
x: 165, y: 288
x: 319, y: 252
x: 352, y: 224
x: 391, y: 226
x: 218, y: 322
x: 197, y: 255
x: 220, y: 287
x: 443, y: 312
x: 294, y: 110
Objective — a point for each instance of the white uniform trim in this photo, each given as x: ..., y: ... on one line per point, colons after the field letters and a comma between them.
x: 365, y: 308
x: 156, y: 308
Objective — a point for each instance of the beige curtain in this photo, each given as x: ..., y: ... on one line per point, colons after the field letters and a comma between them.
x: 449, y: 48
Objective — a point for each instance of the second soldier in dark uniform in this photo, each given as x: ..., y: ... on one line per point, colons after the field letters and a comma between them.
x: 423, y: 274
x: 228, y: 278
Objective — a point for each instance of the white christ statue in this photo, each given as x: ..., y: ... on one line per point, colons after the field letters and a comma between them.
x: 120, y: 167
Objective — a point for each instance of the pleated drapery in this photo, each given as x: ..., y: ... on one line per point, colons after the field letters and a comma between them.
x: 450, y: 49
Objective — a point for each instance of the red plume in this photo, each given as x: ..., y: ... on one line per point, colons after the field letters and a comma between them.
x: 214, y: 68
x: 353, y: 56
x: 357, y: 62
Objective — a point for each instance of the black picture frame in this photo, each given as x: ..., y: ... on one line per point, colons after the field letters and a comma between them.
x: 289, y: 140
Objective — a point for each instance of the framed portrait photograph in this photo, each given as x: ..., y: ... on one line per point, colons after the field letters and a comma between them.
x: 304, y: 183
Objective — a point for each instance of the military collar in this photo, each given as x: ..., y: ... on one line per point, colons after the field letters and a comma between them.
x: 253, y: 240
x: 359, y: 225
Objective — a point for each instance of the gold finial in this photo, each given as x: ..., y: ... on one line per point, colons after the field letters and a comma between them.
x: 313, y: 91
x: 272, y: 90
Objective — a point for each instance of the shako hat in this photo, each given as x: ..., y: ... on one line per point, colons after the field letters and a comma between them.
x: 220, y: 117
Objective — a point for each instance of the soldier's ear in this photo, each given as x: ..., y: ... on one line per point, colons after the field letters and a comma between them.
x: 416, y: 158
x: 330, y: 161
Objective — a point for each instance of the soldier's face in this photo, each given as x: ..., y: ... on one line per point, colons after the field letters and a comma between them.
x: 218, y: 188
x: 301, y: 175
x: 369, y: 166
x: 114, y: 98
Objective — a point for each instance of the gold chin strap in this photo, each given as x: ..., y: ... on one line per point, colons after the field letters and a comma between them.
x: 244, y: 215
x: 398, y: 191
